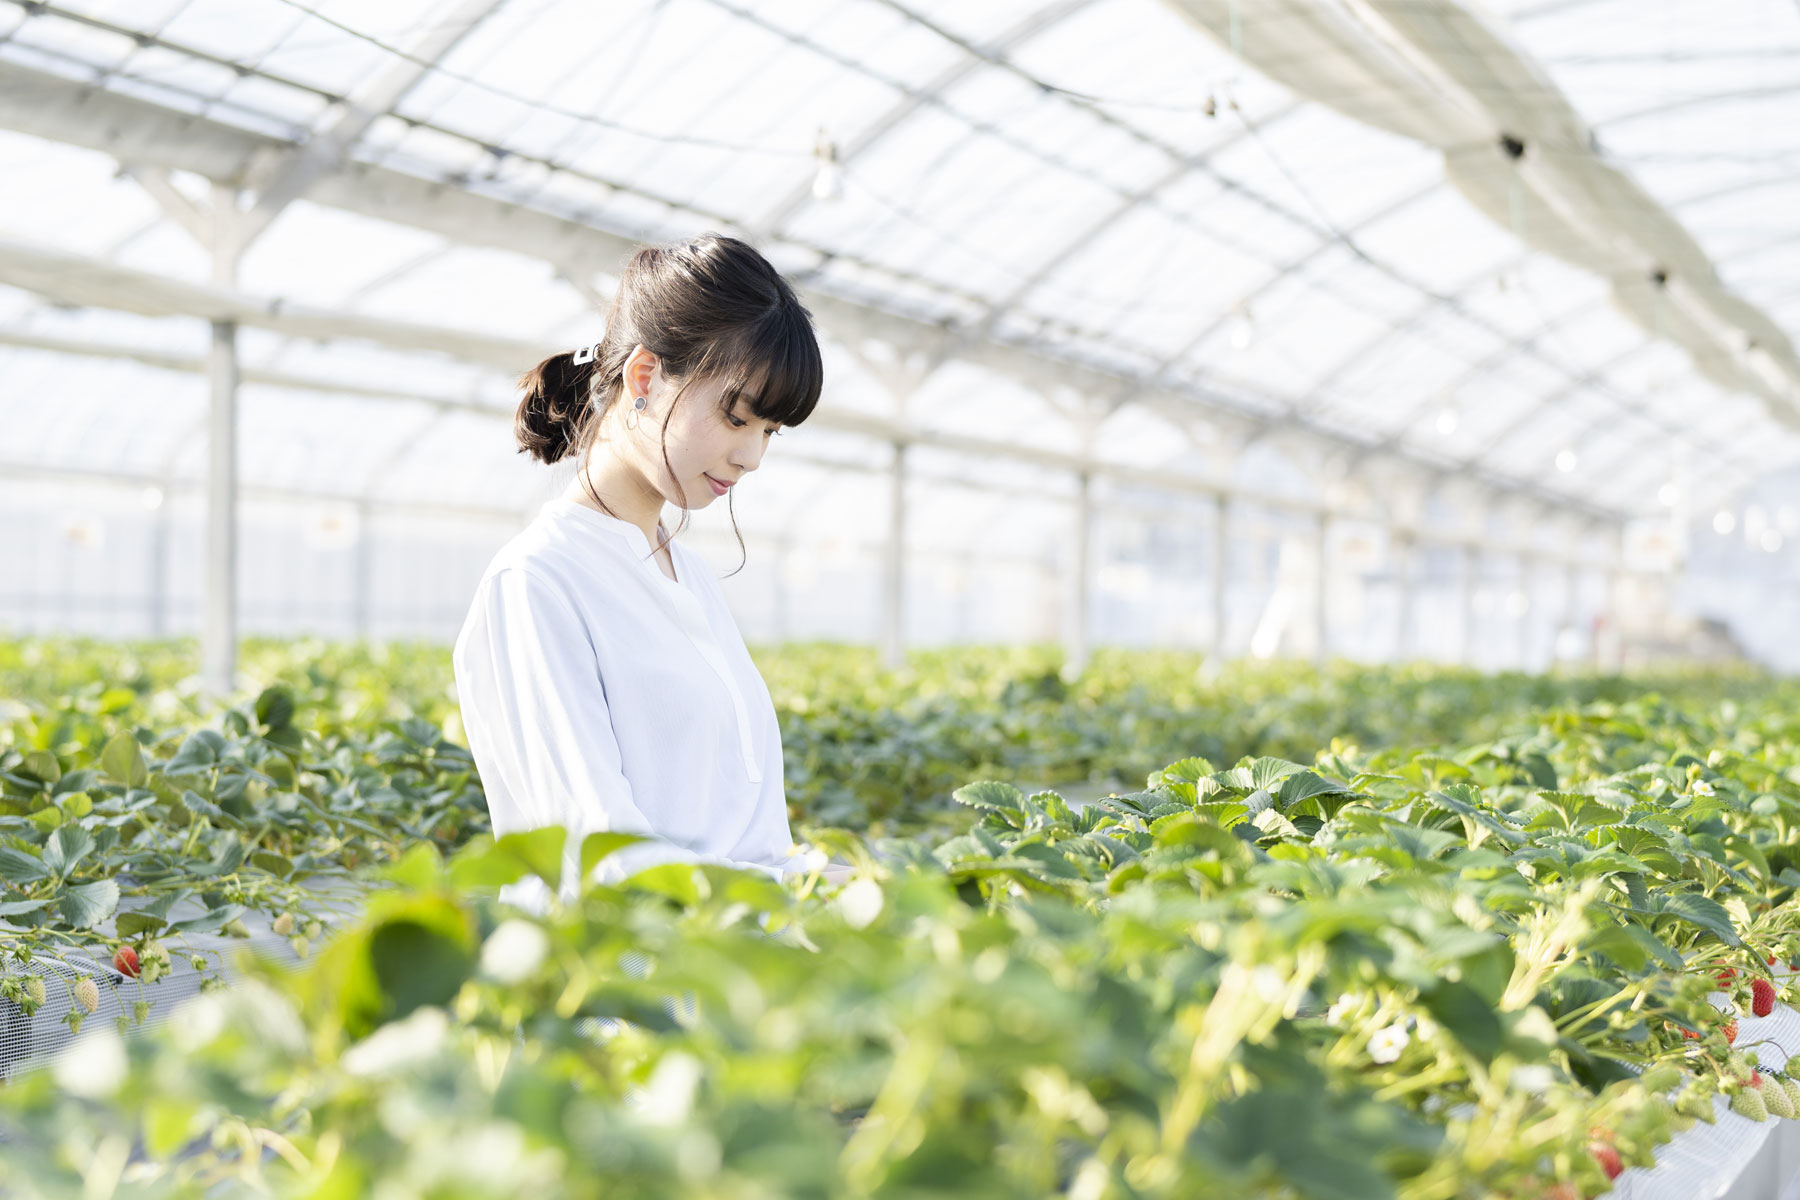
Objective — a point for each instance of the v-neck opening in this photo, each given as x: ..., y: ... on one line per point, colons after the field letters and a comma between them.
x: 670, y: 546
x: 633, y: 535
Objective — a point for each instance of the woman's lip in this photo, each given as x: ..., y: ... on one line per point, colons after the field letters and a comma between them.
x: 719, y: 489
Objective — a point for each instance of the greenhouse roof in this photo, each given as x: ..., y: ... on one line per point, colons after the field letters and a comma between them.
x: 1548, y: 247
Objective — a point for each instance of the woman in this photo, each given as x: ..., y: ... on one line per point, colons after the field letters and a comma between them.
x: 603, y: 683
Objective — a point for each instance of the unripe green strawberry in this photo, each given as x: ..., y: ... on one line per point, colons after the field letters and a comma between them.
x: 313, y: 930
x: 34, y: 987
x: 236, y: 928
x: 1792, y: 1087
x: 140, y: 1012
x: 1749, y: 1103
x: 1777, y: 1101
x: 284, y: 924
x: 300, y: 945
x: 88, y: 992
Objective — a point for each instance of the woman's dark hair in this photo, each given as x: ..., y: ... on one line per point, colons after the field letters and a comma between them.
x: 712, y: 308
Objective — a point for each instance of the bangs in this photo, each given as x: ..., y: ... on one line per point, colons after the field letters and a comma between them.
x: 772, y: 364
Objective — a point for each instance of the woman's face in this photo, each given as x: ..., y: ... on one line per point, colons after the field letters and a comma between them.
x: 710, y: 446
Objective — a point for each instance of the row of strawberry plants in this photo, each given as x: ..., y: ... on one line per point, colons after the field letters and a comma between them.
x: 1497, y: 971
x: 865, y: 747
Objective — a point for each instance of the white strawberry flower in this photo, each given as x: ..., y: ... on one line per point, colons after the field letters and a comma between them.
x: 1386, y: 1044
x: 1534, y: 1078
x: 514, y: 950
x: 1335, y: 1015
x: 860, y: 903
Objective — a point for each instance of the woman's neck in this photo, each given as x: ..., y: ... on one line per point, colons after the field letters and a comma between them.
x: 625, y: 492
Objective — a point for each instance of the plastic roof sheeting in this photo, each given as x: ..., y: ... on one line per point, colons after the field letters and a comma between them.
x: 1098, y: 182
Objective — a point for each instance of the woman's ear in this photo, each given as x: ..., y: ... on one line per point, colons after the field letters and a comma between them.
x: 639, y: 369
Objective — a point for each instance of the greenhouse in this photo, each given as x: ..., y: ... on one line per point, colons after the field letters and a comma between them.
x: 1252, y: 656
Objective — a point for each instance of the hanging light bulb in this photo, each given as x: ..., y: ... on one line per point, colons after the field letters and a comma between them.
x: 1567, y: 460
x: 1724, y: 521
x: 1447, y: 420
x: 828, y: 184
x: 1243, y: 329
x: 1668, y: 494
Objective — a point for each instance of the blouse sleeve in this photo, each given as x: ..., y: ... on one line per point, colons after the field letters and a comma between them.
x: 535, y: 711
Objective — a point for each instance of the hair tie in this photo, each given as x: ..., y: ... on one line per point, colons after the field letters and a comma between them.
x: 586, y: 354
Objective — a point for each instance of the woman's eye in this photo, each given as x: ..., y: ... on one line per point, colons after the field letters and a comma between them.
x: 735, y: 423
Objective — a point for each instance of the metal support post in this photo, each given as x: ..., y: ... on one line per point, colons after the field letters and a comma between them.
x: 1465, y: 650
x: 1076, y: 616
x: 362, y: 575
x: 218, y: 629
x: 1220, y: 564
x: 893, y: 616
x: 1405, y: 569
x: 1321, y: 590
x: 159, y: 569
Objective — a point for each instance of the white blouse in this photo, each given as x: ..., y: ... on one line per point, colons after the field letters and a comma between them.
x: 599, y: 694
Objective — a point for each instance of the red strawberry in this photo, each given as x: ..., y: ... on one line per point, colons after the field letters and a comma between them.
x: 1771, y: 960
x: 1762, y: 997
x: 1608, y: 1158
x: 125, y: 961
x: 1755, y: 1079
x: 1727, y: 975
x: 1731, y: 1031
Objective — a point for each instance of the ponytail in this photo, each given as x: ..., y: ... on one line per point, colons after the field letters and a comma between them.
x: 556, y: 407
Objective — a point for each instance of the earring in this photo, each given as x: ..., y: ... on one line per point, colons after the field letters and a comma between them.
x: 640, y: 402
x: 631, y: 414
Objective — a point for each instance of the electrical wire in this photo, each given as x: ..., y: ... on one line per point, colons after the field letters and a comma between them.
x: 672, y: 139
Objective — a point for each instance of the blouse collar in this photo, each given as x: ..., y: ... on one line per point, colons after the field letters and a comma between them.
x: 616, y: 525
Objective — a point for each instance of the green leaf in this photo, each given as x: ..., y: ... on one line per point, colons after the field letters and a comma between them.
x: 210, y: 921
x: 493, y: 863
x: 1304, y: 785
x: 278, y: 865
x: 42, y: 766
x: 679, y: 881
x: 275, y: 708
x: 13, y: 908
x: 1702, y: 911
x: 130, y: 924
x: 86, y: 905
x: 16, y: 866
x: 596, y: 846
x: 991, y: 795
x: 1470, y: 1018
x: 123, y: 760
x: 419, y: 869
x: 198, y: 752
x: 66, y: 847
